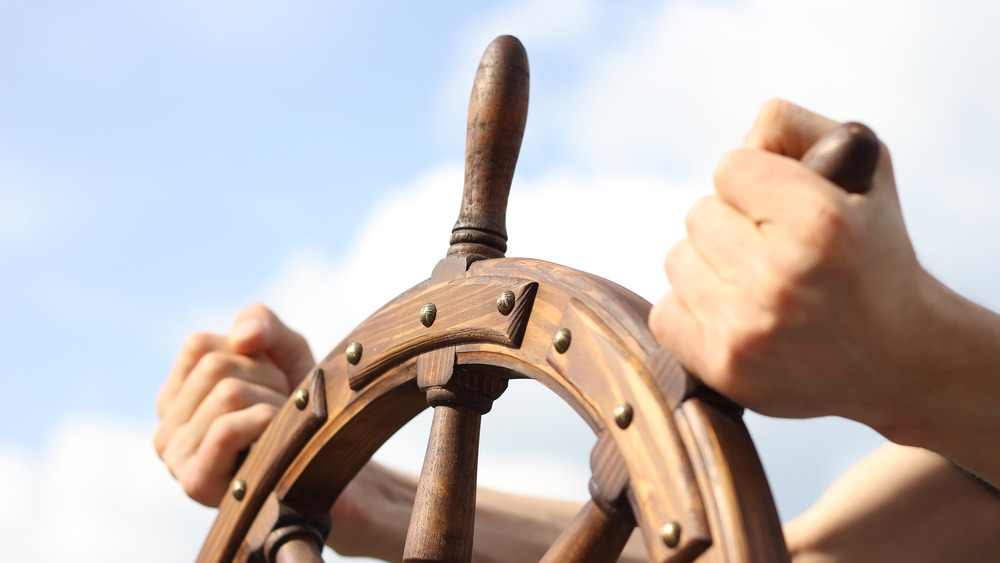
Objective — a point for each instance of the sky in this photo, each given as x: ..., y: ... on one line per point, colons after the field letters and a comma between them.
x: 163, y: 164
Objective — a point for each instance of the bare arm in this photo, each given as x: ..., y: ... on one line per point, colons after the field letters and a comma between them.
x: 509, y: 527
x: 900, y: 504
x: 225, y: 389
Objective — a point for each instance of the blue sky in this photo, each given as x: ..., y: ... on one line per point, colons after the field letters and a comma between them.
x: 164, y: 163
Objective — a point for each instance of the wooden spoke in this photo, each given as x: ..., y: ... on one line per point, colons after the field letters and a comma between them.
x: 299, y: 550
x: 594, y: 536
x: 673, y: 459
x: 444, y: 511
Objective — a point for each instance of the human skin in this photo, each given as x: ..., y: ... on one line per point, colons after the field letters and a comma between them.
x: 795, y: 298
x: 224, y: 389
x: 832, y: 314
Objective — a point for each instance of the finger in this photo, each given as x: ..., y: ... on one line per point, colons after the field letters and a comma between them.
x: 696, y: 284
x: 195, y: 347
x: 784, y: 128
x: 725, y: 238
x: 213, y: 369
x: 676, y: 329
x: 181, y: 436
x: 772, y: 189
x: 258, y: 331
x: 208, y: 473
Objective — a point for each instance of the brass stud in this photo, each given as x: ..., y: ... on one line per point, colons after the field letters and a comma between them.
x: 623, y: 415
x: 354, y: 353
x: 427, y: 314
x: 562, y: 339
x: 505, y: 303
x: 239, y: 489
x: 671, y: 534
x: 301, y: 398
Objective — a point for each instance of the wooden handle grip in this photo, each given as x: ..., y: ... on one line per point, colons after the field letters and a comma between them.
x: 847, y: 156
x: 497, y: 113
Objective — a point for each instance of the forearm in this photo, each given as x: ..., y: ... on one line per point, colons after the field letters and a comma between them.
x: 509, y: 528
x: 949, y: 382
x: 512, y: 528
x: 899, y: 504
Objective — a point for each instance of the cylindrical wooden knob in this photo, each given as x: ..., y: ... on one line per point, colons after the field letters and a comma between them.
x: 847, y: 156
x: 497, y: 113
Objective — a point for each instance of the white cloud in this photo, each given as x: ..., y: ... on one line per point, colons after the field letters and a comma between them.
x: 95, y: 493
x: 683, y: 86
x: 618, y: 227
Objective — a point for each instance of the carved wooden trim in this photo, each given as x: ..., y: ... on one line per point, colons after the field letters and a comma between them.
x: 466, y: 312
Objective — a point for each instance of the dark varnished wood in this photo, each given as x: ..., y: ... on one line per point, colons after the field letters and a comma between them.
x: 682, y: 458
x: 444, y: 512
x: 734, y: 488
x: 593, y: 536
x: 443, y: 519
x: 847, y: 156
x: 299, y: 550
x: 498, y: 110
x: 661, y: 477
x: 466, y: 309
x: 271, y: 455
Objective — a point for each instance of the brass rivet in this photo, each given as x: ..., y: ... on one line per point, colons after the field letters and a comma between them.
x: 302, y: 398
x: 427, y: 314
x: 562, y: 339
x: 239, y: 489
x: 354, y: 353
x: 671, y: 534
x: 505, y: 303
x: 623, y: 415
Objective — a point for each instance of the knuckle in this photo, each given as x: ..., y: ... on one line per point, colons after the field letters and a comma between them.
x: 232, y: 394
x: 827, y: 221
x: 161, y: 439
x: 725, y: 166
x: 220, y: 365
x: 198, y: 344
x: 201, y: 489
x: 698, y: 213
x: 222, y: 434
x: 733, y: 171
x: 255, y: 310
x: 773, y: 111
x: 162, y: 403
x: 674, y: 258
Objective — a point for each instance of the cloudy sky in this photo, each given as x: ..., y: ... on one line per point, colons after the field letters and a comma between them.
x: 163, y: 164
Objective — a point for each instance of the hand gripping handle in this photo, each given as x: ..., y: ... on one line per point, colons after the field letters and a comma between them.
x: 497, y: 113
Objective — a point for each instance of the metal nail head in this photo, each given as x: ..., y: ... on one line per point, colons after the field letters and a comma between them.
x: 671, y: 534
x: 623, y: 415
x: 562, y: 339
x: 239, y: 489
x: 505, y: 303
x: 354, y: 353
x: 427, y: 314
x: 301, y: 398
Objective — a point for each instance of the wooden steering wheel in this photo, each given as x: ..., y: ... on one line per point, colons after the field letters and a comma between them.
x: 671, y: 456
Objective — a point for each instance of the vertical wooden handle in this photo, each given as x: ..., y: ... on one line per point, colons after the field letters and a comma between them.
x: 497, y: 113
x: 847, y: 156
x: 444, y: 510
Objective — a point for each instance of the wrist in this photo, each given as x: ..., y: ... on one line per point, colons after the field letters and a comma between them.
x: 944, y: 383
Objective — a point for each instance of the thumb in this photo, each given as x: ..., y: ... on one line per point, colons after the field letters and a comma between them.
x: 784, y: 128
x: 257, y: 331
